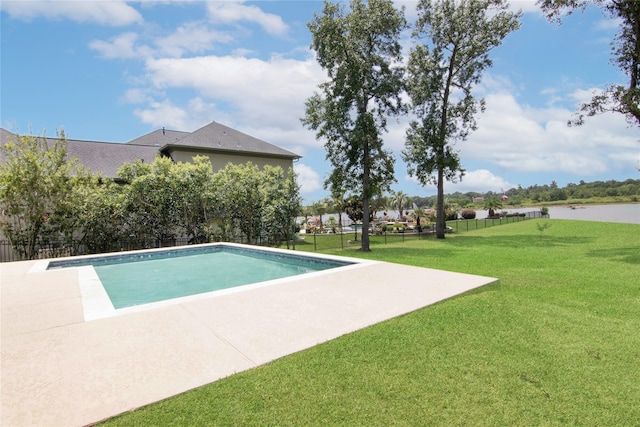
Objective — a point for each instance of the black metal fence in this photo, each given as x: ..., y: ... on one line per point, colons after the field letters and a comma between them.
x: 319, y: 242
x: 314, y: 242
x: 62, y: 249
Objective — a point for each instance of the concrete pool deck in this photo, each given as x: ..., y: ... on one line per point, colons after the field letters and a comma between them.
x: 58, y: 369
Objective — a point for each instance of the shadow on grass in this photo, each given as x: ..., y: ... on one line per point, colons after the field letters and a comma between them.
x: 626, y: 255
x: 531, y: 240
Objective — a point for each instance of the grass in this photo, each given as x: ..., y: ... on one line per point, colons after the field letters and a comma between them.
x: 555, y: 342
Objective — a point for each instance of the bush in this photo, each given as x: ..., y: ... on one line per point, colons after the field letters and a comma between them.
x: 468, y: 214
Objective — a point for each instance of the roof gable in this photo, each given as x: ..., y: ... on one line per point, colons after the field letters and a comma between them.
x: 218, y: 137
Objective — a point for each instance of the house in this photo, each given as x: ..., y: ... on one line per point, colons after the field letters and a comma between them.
x: 220, y: 143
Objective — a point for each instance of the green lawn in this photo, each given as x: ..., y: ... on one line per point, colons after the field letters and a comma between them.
x: 555, y: 342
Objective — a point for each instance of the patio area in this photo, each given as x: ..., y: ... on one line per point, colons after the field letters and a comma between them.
x: 58, y: 369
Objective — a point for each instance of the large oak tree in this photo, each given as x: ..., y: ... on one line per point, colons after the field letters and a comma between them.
x: 454, y: 38
x: 360, y: 50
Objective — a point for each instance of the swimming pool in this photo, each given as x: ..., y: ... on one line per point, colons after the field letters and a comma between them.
x: 144, y: 277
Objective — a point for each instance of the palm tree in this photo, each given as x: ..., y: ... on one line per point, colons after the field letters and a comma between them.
x: 492, y: 204
x: 399, y: 198
x: 320, y: 208
x: 337, y: 198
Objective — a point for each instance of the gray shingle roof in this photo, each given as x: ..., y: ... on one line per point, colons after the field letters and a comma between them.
x: 218, y: 137
x: 107, y: 157
x: 101, y: 157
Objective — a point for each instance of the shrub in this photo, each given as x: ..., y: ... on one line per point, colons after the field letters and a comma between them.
x: 468, y: 214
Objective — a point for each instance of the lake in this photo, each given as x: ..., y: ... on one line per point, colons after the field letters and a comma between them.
x: 629, y: 213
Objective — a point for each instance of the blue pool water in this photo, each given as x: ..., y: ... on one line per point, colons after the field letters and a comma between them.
x: 145, y: 277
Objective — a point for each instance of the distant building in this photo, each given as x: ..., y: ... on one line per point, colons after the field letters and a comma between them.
x: 478, y: 199
x: 220, y: 143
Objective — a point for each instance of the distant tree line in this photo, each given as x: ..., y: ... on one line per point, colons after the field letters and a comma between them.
x: 48, y: 200
x: 629, y: 189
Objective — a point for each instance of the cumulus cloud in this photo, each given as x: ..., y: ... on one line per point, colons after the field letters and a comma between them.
x: 194, y: 115
x: 108, y: 13
x: 265, y: 93
x: 308, y: 179
x: 522, y: 138
x: 479, y: 180
x: 234, y: 12
x: 121, y: 46
x: 136, y: 96
x: 192, y: 37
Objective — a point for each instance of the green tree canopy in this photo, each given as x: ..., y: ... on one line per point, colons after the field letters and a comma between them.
x: 283, y: 204
x: 458, y: 36
x: 35, y: 178
x: 258, y: 202
x: 166, y: 199
x: 361, y: 52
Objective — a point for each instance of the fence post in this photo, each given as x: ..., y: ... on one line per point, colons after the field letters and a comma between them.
x: 315, y: 248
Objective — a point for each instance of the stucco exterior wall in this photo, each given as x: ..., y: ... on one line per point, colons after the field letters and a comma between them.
x: 220, y: 160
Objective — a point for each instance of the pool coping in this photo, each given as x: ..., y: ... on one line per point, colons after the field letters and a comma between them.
x: 60, y: 369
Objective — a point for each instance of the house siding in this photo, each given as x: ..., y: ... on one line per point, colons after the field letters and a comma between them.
x: 220, y: 160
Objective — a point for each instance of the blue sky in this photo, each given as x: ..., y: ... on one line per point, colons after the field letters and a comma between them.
x: 115, y: 70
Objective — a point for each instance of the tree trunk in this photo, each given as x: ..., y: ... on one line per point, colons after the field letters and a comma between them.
x: 440, y: 217
x: 365, y: 200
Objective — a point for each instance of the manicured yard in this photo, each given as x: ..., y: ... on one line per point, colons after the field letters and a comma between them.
x: 555, y: 342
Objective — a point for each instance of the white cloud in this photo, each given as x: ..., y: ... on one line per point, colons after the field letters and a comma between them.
x: 526, y: 139
x: 159, y: 113
x: 109, y: 13
x: 264, y: 93
x: 609, y: 24
x: 524, y: 5
x: 136, y: 96
x: 233, y: 12
x: 191, y: 37
x: 480, y: 180
x: 165, y: 113
x: 308, y: 179
x: 120, y: 47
